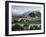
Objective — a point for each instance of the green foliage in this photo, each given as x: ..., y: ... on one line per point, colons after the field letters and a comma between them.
x: 35, y: 27
x: 17, y: 27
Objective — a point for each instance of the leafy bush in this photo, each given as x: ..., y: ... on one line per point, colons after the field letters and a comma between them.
x: 17, y: 27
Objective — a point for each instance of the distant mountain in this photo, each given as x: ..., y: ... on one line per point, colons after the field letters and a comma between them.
x: 24, y: 14
x: 29, y: 13
x: 37, y: 13
x: 32, y: 13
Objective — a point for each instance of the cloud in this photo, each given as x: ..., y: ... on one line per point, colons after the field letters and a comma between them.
x: 22, y: 9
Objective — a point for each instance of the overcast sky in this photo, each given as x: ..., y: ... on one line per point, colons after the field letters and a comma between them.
x: 23, y: 9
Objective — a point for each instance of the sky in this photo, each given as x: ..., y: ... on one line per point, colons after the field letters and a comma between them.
x: 18, y: 10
